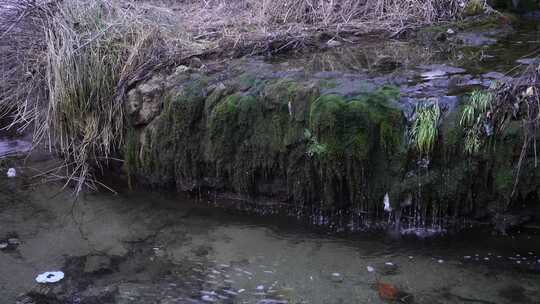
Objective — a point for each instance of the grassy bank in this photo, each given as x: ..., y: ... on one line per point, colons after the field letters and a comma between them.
x: 66, y: 65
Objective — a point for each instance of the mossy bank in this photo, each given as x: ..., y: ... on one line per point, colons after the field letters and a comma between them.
x: 289, y: 138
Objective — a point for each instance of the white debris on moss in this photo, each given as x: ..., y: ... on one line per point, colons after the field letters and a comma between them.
x: 11, y: 173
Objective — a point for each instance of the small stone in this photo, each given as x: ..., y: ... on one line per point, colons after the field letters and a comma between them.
x: 208, y: 298
x: 450, y: 31
x: 333, y: 43
x: 3, y: 245
x: 337, y: 277
x: 370, y: 269
x: 13, y: 241
x: 467, y: 257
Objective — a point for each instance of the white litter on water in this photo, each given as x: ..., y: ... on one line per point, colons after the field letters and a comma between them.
x: 260, y: 287
x: 50, y: 277
x: 241, y: 290
x: 467, y: 257
x: 411, y: 257
x: 11, y: 173
x: 440, y: 261
x: 370, y: 269
x: 336, y: 274
x: 389, y: 263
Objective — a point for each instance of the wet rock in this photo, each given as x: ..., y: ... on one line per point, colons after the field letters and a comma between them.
x: 144, y: 102
x: 387, y: 63
x: 528, y: 61
x: 336, y: 277
x: 436, y: 71
x: 13, y: 241
x: 129, y: 292
x: 333, y: 43
x: 195, y: 63
x: 202, y: 251
x: 495, y: 75
x: 97, y: 264
x: 25, y: 300
x: 102, y: 294
x: 50, y: 293
x: 388, y: 269
x: 475, y: 39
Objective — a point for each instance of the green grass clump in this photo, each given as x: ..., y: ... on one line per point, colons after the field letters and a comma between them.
x: 93, y: 50
x: 472, y: 120
x: 425, y: 130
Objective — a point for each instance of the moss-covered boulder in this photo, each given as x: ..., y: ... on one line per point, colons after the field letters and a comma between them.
x: 282, y: 139
x: 278, y: 138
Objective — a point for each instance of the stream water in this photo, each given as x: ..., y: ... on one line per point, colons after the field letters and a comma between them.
x: 152, y: 248
x: 147, y: 247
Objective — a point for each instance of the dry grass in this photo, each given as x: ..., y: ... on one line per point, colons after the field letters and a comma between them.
x: 74, y: 69
x: 66, y: 65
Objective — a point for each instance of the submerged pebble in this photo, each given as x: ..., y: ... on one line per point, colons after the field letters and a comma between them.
x: 208, y: 298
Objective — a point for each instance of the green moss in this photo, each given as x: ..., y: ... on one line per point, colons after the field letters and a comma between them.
x: 504, y: 180
x: 328, y: 84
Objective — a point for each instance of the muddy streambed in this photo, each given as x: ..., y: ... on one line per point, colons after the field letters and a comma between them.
x: 147, y: 247
x: 151, y: 248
